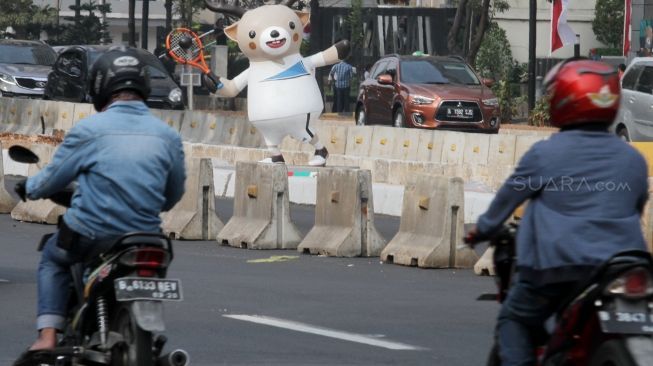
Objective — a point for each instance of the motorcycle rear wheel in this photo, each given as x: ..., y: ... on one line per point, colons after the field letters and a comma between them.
x: 137, y: 347
x: 612, y: 353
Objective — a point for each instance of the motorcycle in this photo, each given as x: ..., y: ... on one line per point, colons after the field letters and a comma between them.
x: 607, y: 321
x: 116, y: 304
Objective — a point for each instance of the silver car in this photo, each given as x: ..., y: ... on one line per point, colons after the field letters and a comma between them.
x: 634, y: 121
x: 24, y: 67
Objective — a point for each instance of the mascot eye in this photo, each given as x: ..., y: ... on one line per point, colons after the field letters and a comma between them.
x: 252, y: 34
x: 292, y: 25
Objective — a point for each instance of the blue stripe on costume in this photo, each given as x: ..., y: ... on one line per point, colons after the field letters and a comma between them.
x: 294, y: 71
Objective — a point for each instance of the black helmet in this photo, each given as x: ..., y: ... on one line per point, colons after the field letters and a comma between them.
x: 120, y: 68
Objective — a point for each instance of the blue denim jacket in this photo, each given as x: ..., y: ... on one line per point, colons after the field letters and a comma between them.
x: 587, y: 190
x: 129, y: 166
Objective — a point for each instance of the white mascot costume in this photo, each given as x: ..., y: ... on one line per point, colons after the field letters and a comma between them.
x: 283, y: 97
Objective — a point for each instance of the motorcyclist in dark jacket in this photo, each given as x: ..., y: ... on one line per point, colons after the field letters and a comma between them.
x: 586, y: 190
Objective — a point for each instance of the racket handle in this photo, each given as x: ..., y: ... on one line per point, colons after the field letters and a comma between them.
x: 212, y: 82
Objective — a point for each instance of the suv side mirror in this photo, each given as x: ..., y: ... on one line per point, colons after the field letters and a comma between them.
x: 384, y: 79
x: 488, y: 82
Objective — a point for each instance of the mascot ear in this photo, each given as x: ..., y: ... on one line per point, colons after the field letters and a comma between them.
x: 232, y: 32
x: 305, y: 18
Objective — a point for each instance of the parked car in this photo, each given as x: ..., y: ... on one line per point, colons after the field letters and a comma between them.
x: 427, y: 92
x: 68, y: 80
x: 634, y: 121
x: 24, y: 67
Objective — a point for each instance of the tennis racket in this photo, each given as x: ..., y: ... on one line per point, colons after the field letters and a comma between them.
x: 186, y: 48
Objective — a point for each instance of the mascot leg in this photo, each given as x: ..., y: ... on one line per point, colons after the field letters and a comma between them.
x: 272, y: 134
x: 304, y: 132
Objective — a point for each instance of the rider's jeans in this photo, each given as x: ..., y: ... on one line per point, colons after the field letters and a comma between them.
x: 55, y: 280
x: 525, y: 309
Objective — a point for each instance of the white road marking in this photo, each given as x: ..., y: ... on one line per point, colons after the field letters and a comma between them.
x: 325, y: 332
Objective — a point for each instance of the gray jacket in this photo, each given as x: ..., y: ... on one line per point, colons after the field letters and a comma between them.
x: 587, y: 190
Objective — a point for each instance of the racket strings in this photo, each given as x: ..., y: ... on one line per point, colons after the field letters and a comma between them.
x: 189, y: 54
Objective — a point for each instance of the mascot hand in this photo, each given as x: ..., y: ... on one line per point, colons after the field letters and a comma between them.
x: 212, y: 82
x: 343, y: 49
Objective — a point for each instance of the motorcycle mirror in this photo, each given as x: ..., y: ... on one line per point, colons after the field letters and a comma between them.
x: 22, y: 154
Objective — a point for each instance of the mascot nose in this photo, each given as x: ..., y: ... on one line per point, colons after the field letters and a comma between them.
x: 274, y: 34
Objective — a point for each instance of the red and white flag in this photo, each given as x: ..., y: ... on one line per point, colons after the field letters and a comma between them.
x: 628, y: 4
x: 561, y: 32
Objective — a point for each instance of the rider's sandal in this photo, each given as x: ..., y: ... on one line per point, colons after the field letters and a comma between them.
x: 34, y: 358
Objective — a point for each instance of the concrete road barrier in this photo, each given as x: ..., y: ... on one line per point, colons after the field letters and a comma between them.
x: 199, y: 126
x: 49, y: 116
x: 383, y: 141
x: 407, y: 144
x: 432, y: 226
x: 344, y: 216
x: 333, y: 137
x: 359, y: 139
x: 453, y: 147
x: 29, y: 117
x: 82, y: 110
x: 485, y: 265
x: 261, y: 218
x: 194, y: 217
x: 39, y: 211
x: 477, y: 147
x: 7, y: 201
x: 173, y: 118
x: 524, y: 143
x: 65, y: 116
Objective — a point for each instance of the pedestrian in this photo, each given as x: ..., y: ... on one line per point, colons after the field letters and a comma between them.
x: 341, y: 74
x: 621, y: 69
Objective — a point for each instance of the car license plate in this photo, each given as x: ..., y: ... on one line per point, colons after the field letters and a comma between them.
x: 139, y: 288
x: 627, y: 320
x: 466, y: 113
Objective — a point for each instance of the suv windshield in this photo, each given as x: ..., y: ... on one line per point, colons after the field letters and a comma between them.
x: 27, y: 55
x: 430, y: 71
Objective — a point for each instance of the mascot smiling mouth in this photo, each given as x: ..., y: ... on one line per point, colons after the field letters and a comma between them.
x: 276, y: 43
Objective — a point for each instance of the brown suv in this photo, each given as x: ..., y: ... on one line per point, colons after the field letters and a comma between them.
x: 427, y: 92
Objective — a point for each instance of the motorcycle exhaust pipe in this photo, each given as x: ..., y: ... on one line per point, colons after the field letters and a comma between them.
x: 178, y: 357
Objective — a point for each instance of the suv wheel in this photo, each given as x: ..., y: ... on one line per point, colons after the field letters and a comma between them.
x: 361, y: 118
x: 623, y: 134
x: 398, y: 119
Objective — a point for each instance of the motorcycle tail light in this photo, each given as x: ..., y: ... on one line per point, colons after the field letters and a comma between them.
x: 146, y: 258
x: 635, y: 283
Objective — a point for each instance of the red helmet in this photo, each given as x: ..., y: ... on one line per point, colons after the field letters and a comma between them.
x: 582, y: 91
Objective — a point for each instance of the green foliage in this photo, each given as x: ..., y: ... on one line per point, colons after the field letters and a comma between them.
x: 605, y: 51
x: 355, y: 24
x: 539, y: 116
x: 87, y: 29
x: 27, y: 19
x: 494, y: 58
x: 608, y: 23
x: 180, y: 8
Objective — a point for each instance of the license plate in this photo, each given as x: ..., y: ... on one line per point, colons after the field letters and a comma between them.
x: 460, y: 112
x: 138, y: 288
x: 627, y: 320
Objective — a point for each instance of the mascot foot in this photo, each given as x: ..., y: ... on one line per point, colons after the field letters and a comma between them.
x: 319, y: 159
x: 276, y: 159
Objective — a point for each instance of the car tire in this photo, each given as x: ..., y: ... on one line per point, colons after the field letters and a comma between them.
x: 361, y: 116
x: 622, y: 132
x: 398, y: 119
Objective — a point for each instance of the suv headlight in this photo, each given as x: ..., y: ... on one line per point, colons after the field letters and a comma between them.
x: 420, y: 100
x: 175, y: 95
x: 491, y: 102
x: 7, y: 79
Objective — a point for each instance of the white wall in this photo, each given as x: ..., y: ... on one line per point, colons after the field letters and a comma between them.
x: 515, y: 23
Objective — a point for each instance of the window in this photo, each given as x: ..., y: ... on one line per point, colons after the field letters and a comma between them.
x: 392, y: 69
x: 433, y: 71
x: 27, y: 55
x: 645, y: 82
x: 628, y: 81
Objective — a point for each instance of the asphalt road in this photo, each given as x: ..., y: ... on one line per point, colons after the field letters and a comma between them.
x: 306, y: 310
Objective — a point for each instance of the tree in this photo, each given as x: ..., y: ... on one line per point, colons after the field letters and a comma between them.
x: 494, y: 57
x: 472, y: 19
x: 27, y: 19
x: 608, y: 23
x: 87, y: 28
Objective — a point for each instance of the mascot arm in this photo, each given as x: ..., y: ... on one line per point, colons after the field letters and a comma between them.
x: 231, y: 88
x: 331, y: 55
